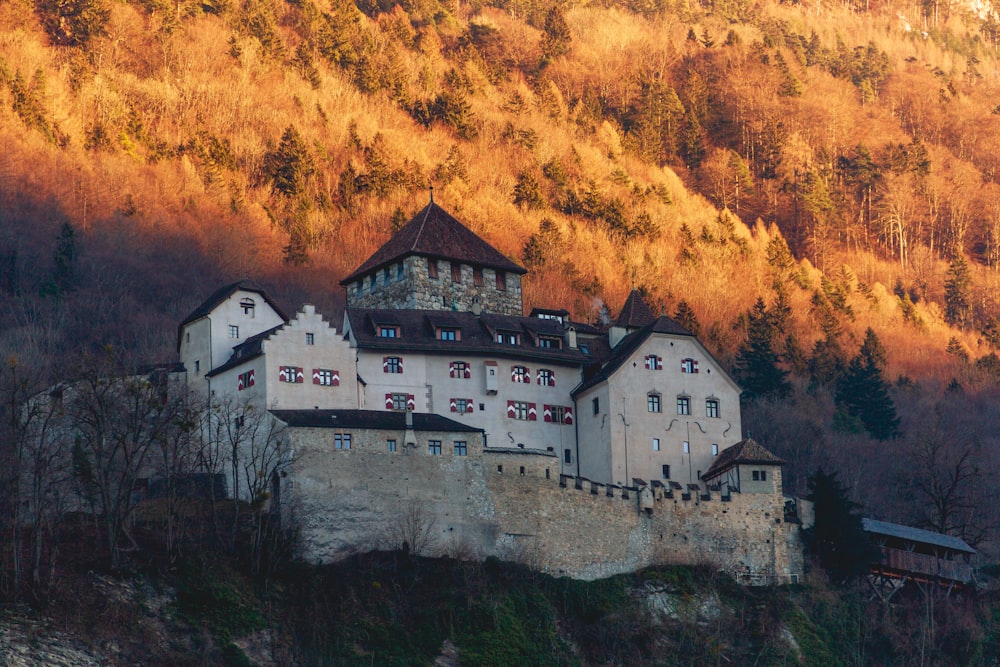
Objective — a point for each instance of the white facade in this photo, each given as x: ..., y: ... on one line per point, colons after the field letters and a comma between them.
x: 664, y: 414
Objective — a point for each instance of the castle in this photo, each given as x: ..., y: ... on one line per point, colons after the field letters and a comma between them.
x: 440, y: 415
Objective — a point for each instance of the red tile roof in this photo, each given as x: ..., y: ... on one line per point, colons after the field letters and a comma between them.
x: 433, y: 232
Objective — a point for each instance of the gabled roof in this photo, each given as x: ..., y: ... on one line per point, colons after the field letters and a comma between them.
x: 219, y: 296
x: 744, y: 452
x: 371, y: 419
x: 249, y: 349
x: 916, y: 535
x: 635, y: 313
x: 627, y: 347
x: 433, y: 232
x: 477, y: 335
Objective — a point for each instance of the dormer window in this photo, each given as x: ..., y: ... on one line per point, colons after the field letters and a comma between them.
x: 248, y: 306
x: 456, y: 272
x: 432, y: 269
x: 508, y: 338
x: 449, y: 333
x: 550, y: 342
x: 388, y: 331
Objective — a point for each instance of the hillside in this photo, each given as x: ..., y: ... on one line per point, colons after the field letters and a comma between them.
x: 838, y: 162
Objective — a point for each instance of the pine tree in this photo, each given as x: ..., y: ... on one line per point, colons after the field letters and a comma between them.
x: 556, y: 38
x: 837, y: 537
x: 757, y: 362
x: 863, y: 393
x: 685, y: 317
x: 957, y: 307
x: 291, y: 165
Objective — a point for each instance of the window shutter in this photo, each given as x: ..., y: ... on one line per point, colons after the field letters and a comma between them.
x: 250, y: 378
x: 694, y: 365
x: 552, y: 378
x: 385, y: 364
x: 547, y: 413
x: 240, y: 382
x: 283, y: 373
x: 400, y: 365
x: 568, y: 415
x: 468, y: 372
x: 411, y: 403
x: 468, y: 405
x: 532, y: 412
x: 451, y: 369
x: 513, y: 373
x: 299, y: 376
x: 510, y: 409
x: 316, y: 379
x: 454, y: 405
x: 388, y: 401
x: 336, y: 378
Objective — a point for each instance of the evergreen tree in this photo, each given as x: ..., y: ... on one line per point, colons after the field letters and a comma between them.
x: 64, y: 257
x: 757, y: 362
x: 685, y: 317
x: 837, y: 537
x: 957, y: 307
x: 527, y: 193
x: 556, y: 37
x: 291, y: 165
x: 863, y: 393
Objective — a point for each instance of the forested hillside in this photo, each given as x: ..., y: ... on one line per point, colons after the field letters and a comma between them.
x: 813, y: 188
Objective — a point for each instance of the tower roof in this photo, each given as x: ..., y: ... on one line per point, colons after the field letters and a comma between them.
x: 745, y: 452
x: 635, y: 313
x: 435, y: 233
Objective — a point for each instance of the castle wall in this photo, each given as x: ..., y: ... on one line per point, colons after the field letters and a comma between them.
x: 414, y: 288
x: 513, y: 504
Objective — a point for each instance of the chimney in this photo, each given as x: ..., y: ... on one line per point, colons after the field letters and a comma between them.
x: 571, y: 338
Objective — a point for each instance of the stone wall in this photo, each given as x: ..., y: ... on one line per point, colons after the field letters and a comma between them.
x: 417, y: 290
x: 513, y: 504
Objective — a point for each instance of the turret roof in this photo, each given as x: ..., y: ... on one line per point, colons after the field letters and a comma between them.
x: 433, y: 232
x: 635, y: 313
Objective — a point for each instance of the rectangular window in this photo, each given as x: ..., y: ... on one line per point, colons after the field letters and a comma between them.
x: 245, y: 380
x: 372, y: 282
x: 522, y: 410
x: 550, y: 342
x: 558, y: 414
x: 434, y: 447
x: 501, y: 281
x: 568, y: 455
x: 432, y: 269
x: 390, y: 445
x: 456, y: 272
x: 399, y: 271
x: 507, y: 338
x: 654, y: 403
x: 291, y: 374
x: 759, y: 475
x: 461, y: 448
x: 399, y: 401
x: 386, y: 331
x: 459, y: 370
x: 712, y: 408
x: 461, y: 405
x: 326, y: 377
x: 341, y: 440
x: 247, y: 305
x: 546, y: 377
x: 686, y: 447
x: 596, y: 403
x: 654, y: 363
x: 448, y: 334
x: 310, y: 339
x: 520, y: 374
x: 386, y: 276
x: 234, y: 331
x: 683, y: 405
x: 715, y: 449
x: 656, y: 444
x: 359, y: 286
x: 477, y: 277
x: 689, y: 366
x: 665, y: 471
x: 197, y: 366
x: 392, y: 365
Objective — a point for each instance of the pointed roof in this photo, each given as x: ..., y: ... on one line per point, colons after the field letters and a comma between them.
x: 744, y: 452
x: 635, y: 313
x: 219, y: 296
x: 433, y: 232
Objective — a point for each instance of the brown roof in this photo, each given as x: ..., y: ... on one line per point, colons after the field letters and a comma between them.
x: 635, y: 313
x: 219, y: 296
x: 747, y: 451
x: 435, y: 233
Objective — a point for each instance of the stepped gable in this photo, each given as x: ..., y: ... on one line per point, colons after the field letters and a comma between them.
x: 628, y: 345
x: 478, y: 333
x: 371, y: 419
x: 433, y: 232
x: 635, y: 313
x: 744, y: 452
x: 219, y: 296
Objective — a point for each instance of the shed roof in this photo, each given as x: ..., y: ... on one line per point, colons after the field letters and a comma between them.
x: 912, y: 534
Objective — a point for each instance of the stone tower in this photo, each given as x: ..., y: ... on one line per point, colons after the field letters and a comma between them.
x: 436, y: 263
